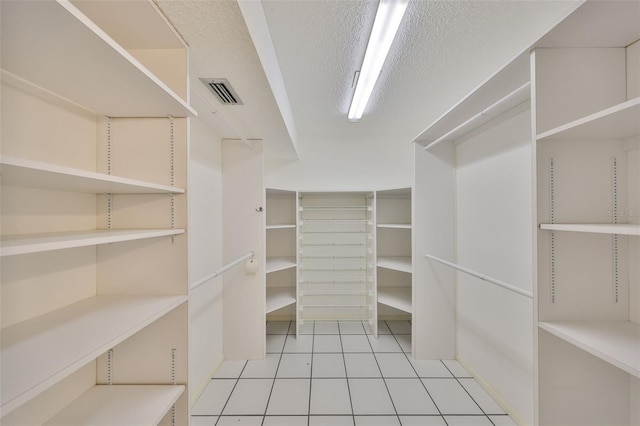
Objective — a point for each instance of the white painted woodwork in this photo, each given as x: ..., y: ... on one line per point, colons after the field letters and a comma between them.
x: 279, y: 298
x: 596, y: 228
x: 397, y: 263
x: 280, y: 263
x: 399, y: 298
x: 119, y: 404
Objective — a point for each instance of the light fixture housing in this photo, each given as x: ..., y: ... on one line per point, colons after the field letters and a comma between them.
x: 385, y: 27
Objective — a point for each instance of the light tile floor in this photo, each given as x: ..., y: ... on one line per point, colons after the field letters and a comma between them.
x: 338, y: 374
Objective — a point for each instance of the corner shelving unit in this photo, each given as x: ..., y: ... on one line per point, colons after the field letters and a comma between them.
x: 94, y: 247
x: 394, y: 249
x: 281, y: 262
x: 588, y: 144
x: 336, y: 257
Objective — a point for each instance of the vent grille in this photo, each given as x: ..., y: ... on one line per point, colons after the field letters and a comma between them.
x: 223, y: 90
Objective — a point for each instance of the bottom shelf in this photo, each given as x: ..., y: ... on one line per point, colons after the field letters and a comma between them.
x: 119, y: 405
x: 279, y: 297
x: 616, y: 342
x: 396, y: 297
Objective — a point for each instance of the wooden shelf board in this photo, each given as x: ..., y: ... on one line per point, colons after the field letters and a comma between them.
x: 397, y: 263
x: 84, y: 64
x: 33, y: 174
x: 279, y: 297
x: 616, y: 342
x: 617, y: 122
x: 105, y: 405
x: 282, y: 226
x: 395, y: 225
x: 280, y: 263
x: 39, y: 352
x: 34, y: 243
x: 396, y: 297
x: 597, y: 228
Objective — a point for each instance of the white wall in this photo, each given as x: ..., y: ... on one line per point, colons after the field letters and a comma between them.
x: 344, y: 165
x: 495, y: 238
x: 205, y: 254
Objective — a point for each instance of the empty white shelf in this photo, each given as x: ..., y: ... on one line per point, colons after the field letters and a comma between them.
x: 279, y: 263
x: 324, y: 208
x: 395, y: 225
x: 105, y: 405
x: 283, y: 226
x: 33, y: 174
x: 597, y: 228
x: 279, y: 297
x: 617, y: 122
x: 616, y: 342
x: 397, y: 263
x: 33, y: 243
x: 84, y: 64
x: 396, y: 297
x: 39, y: 352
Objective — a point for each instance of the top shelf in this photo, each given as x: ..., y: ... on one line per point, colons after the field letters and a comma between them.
x: 33, y: 174
x: 617, y: 122
x: 83, y: 63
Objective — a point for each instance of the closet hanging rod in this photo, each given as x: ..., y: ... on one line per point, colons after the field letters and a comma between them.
x: 482, y: 277
x: 514, y: 98
x: 221, y: 270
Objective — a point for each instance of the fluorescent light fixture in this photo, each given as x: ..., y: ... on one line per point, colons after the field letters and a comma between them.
x: 385, y: 26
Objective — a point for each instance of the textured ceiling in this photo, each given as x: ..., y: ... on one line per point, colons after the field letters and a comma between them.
x: 443, y: 50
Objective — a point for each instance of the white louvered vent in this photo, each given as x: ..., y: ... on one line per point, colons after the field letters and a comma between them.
x: 223, y: 90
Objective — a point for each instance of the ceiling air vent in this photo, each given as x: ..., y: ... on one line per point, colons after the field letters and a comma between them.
x: 223, y: 90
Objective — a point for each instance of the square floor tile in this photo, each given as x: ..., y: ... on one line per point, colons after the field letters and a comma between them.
x: 355, y: 343
x: 294, y: 366
x: 399, y: 327
x: 410, y: 397
x: 203, y: 420
x: 423, y: 421
x: 384, y: 343
x: 382, y: 328
x: 230, y: 369
x: 361, y: 365
x: 327, y: 343
x: 330, y: 421
x: 278, y: 327
x: 450, y: 397
x: 275, y: 343
x: 377, y: 421
x: 289, y: 396
x: 304, y: 328
x: 482, y: 398
x: 215, y: 395
x: 302, y: 343
x: 502, y: 420
x: 262, y: 368
x: 249, y: 397
x: 239, y: 420
x: 328, y: 365
x: 468, y: 421
x: 326, y: 328
x: 285, y: 421
x: 370, y: 396
x: 405, y: 342
x: 395, y: 365
x: 351, y: 327
x: 429, y: 367
x: 330, y: 396
x: 456, y: 368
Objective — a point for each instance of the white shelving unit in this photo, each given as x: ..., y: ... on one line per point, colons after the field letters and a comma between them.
x: 588, y: 145
x: 281, y: 263
x: 394, y: 272
x: 94, y: 245
x: 336, y: 258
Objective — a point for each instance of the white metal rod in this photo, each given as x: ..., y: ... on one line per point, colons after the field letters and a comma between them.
x: 516, y: 93
x: 220, y: 271
x: 482, y: 277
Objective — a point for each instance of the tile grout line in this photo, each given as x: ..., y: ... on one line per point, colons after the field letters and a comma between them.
x: 419, y: 378
x: 346, y: 376
x: 313, y: 342
x: 382, y: 375
x: 230, y: 393
x: 275, y: 375
x: 470, y: 396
